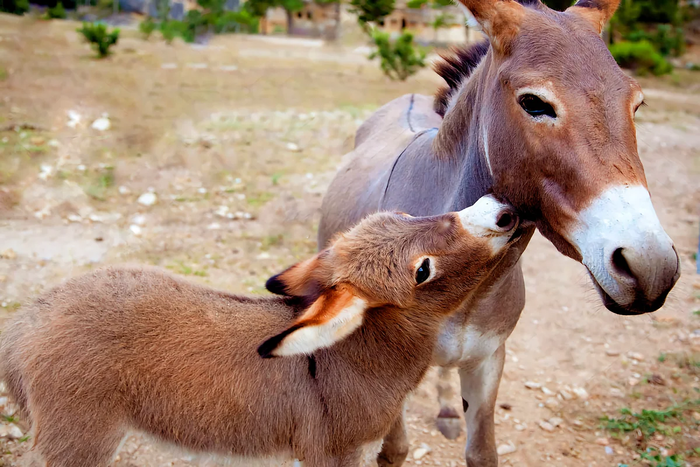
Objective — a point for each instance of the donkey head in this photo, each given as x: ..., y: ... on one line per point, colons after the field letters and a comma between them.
x: 424, y: 267
x: 556, y: 123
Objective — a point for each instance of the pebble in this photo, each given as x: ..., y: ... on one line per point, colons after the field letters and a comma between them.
x: 546, y: 426
x: 520, y: 427
x: 565, y: 395
x: 8, y: 254
x: 123, y: 190
x: 293, y: 147
x: 504, y: 449
x: 74, y: 218
x: 421, y: 452
x: 636, y: 356
x: 551, y: 403
x: 73, y: 118
x: 532, y: 385
x: 581, y: 393
x: 102, y: 123
x: 136, y: 230
x: 139, y: 219
x: 148, y: 199
x: 632, y: 381
x: 547, y: 391
x: 10, y: 432
x: 602, y: 441
x: 615, y: 392
x: 609, y: 451
x: 612, y: 353
x: 556, y: 421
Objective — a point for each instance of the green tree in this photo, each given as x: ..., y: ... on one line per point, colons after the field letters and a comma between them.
x: 399, y: 59
x: 15, y: 7
x: 371, y: 11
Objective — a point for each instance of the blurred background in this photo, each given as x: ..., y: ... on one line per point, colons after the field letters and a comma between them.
x: 200, y: 136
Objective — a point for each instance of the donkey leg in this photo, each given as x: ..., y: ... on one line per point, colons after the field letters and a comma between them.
x: 395, y: 446
x: 448, y: 421
x: 479, y: 391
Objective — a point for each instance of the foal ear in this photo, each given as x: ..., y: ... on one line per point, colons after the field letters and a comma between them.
x: 499, y: 19
x: 301, y: 280
x: 335, y: 314
x: 597, y: 12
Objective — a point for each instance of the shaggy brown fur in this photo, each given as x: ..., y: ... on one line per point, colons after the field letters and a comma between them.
x: 124, y: 348
x: 456, y: 65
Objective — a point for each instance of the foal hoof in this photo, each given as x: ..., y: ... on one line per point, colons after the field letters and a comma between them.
x: 449, y: 423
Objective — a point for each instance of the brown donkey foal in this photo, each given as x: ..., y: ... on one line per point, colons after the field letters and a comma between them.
x: 121, y: 349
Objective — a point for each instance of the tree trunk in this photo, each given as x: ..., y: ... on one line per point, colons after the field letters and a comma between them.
x: 290, y: 20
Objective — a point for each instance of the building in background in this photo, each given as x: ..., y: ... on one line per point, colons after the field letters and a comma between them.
x: 314, y: 20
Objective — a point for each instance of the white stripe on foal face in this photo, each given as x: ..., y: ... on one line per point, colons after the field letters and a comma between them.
x: 624, y: 247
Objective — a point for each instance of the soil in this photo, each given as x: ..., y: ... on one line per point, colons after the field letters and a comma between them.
x: 238, y: 141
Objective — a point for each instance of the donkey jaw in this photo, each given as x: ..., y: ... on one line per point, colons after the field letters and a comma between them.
x: 632, y: 261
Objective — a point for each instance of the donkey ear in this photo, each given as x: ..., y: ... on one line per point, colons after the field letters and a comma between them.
x: 597, y: 12
x: 499, y: 19
x: 333, y: 316
x: 300, y: 280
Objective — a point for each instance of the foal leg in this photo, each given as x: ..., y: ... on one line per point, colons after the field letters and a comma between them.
x: 479, y: 391
x: 448, y: 421
x: 395, y: 446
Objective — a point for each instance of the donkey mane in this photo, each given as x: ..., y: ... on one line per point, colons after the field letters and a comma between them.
x: 458, y: 63
x: 455, y: 66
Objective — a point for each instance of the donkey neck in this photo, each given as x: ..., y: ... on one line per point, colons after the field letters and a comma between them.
x: 463, y: 136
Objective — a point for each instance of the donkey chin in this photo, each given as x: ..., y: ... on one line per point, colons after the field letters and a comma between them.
x: 630, y: 258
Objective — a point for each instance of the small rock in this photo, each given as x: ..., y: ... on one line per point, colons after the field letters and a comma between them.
x: 556, y: 421
x: 581, y: 393
x: 421, y: 451
x: 532, y: 385
x: 214, y: 226
x: 73, y: 118
x: 136, y: 230
x: 615, y: 392
x: 602, y: 441
x: 148, y: 199
x: 74, y: 218
x: 565, y: 395
x: 546, y: 426
x: 632, y: 381
x: 578, y: 423
x: 222, y: 211
x: 612, y: 353
x: 504, y: 449
x: 139, y: 219
x: 551, y: 403
x: 657, y: 380
x: 293, y: 147
x: 636, y: 356
x: 123, y: 190
x: 547, y: 391
x: 520, y: 427
x: 10, y: 432
x: 609, y: 451
x: 101, y: 124
x: 8, y: 254
x: 264, y: 255
x: 696, y: 416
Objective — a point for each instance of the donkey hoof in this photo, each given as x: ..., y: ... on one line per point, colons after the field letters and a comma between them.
x: 392, y: 456
x: 449, y: 423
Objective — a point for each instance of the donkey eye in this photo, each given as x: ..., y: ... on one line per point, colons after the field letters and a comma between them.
x: 423, y: 271
x: 536, y: 106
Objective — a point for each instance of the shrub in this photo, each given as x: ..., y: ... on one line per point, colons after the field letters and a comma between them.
x: 641, y: 57
x: 400, y: 58
x: 98, y: 36
x: 16, y: 7
x: 57, y: 12
x: 147, y: 27
x: 171, y: 29
x: 666, y: 39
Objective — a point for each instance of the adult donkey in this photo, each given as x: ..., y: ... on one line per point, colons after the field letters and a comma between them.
x: 542, y: 117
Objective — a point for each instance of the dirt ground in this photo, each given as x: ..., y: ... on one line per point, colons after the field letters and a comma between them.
x: 235, y: 143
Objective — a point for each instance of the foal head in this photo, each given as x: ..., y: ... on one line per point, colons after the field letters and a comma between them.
x: 419, y: 267
x: 555, y: 127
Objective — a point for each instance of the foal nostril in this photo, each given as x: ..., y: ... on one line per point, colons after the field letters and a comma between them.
x: 506, y: 220
x: 620, y: 264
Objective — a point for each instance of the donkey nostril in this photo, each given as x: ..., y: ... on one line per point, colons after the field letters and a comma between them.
x: 506, y: 220
x: 620, y: 264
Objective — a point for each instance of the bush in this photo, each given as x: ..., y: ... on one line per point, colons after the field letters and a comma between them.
x: 666, y: 39
x: 641, y: 57
x: 147, y: 27
x: 57, y: 12
x: 171, y: 29
x: 400, y: 58
x: 15, y: 7
x: 98, y: 36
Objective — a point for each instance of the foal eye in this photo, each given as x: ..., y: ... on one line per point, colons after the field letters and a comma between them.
x: 536, y: 106
x: 423, y: 272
